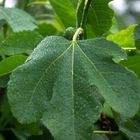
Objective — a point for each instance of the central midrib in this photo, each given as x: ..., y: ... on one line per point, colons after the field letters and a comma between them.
x: 73, y: 103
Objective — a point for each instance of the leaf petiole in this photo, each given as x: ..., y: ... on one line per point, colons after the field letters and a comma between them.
x: 105, y: 132
x: 76, y: 35
x: 38, y: 3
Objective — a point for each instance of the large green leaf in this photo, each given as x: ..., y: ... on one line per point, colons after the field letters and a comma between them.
x: 64, y: 83
x: 18, y: 19
x: 10, y: 63
x: 21, y: 42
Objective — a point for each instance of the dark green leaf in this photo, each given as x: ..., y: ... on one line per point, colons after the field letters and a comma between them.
x: 19, y: 134
x: 22, y: 42
x: 130, y: 127
x: 28, y: 129
x: 10, y: 63
x: 64, y: 85
x: 119, y: 137
x: 5, y: 113
x: 22, y: 132
x: 1, y: 36
x: 66, y: 10
x: 18, y: 19
x: 137, y: 36
x: 45, y: 136
x: 132, y: 135
x: 3, y: 81
x: 131, y: 130
x: 46, y: 29
x: 133, y: 63
x: 99, y: 17
x: 99, y: 137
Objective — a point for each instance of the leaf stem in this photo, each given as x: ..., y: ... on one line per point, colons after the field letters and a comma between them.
x: 85, y: 13
x: 129, y: 49
x: 76, y: 35
x: 44, y: 15
x: 82, y: 21
x: 105, y: 132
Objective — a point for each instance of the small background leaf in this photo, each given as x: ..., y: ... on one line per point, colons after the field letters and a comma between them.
x: 125, y: 38
x: 65, y: 9
x: 18, y: 19
x: 99, y: 18
x: 21, y: 42
x: 10, y: 63
x: 46, y: 29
